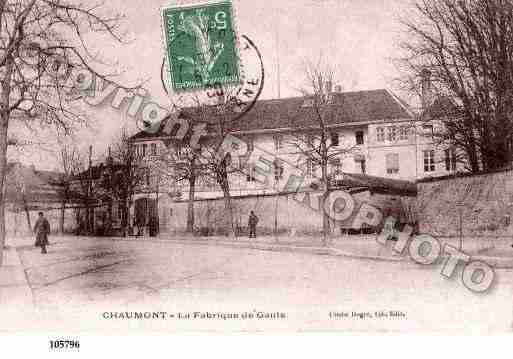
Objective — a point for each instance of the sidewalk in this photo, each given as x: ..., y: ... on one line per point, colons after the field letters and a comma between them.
x: 27, y: 242
x: 15, y: 292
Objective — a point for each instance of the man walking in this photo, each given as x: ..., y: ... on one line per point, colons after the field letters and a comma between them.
x: 252, y: 223
x: 42, y: 230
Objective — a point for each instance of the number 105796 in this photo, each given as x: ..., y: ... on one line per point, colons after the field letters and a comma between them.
x: 64, y: 344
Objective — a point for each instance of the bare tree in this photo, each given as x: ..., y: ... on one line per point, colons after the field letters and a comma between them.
x: 21, y: 197
x: 178, y: 164
x: 218, y: 119
x: 464, y: 47
x: 131, y: 175
x: 71, y: 166
x: 314, y: 143
x: 42, y: 44
x: 81, y: 184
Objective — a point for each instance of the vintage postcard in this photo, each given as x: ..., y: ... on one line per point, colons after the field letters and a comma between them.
x: 247, y: 166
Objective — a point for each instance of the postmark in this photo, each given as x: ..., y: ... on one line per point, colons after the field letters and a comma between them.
x: 200, y: 48
x: 236, y: 99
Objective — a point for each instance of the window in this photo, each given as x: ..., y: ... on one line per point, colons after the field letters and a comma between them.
x: 309, y: 168
x: 380, y: 134
x: 359, y: 137
x: 450, y: 159
x: 250, y: 174
x: 182, y: 153
x: 334, y: 138
x: 392, y: 133
x: 336, y: 167
x: 278, y: 142
x: 143, y: 149
x: 250, y: 141
x: 148, y: 177
x: 308, y: 103
x: 278, y: 170
x: 363, y: 167
x: 153, y: 149
x: 404, y: 132
x: 429, y: 161
x: 427, y: 130
x: 392, y: 163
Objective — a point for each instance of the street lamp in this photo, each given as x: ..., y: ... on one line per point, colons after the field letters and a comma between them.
x: 461, y: 206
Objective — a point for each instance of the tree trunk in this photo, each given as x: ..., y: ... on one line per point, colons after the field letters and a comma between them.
x: 27, y: 213
x: 277, y: 195
x: 127, y: 224
x: 222, y: 180
x: 125, y: 221
x: 61, y: 222
x: 4, y: 125
x: 326, y: 182
x: 190, y: 205
x: 109, y: 218
x: 229, y: 209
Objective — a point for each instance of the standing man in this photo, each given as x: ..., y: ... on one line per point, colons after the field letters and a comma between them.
x: 42, y: 230
x: 252, y: 223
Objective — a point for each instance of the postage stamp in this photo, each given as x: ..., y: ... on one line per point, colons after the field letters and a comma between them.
x: 200, y: 45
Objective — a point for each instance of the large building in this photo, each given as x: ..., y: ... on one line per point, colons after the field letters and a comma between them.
x: 375, y: 132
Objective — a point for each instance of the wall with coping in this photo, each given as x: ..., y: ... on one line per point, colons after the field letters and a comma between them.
x: 485, y: 202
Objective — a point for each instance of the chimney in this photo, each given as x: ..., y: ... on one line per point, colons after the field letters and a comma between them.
x: 425, y: 96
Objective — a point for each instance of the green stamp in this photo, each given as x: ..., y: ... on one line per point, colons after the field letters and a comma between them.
x: 201, y: 45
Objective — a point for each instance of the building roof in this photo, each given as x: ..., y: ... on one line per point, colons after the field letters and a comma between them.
x: 295, y: 113
x: 36, y: 186
x: 377, y: 184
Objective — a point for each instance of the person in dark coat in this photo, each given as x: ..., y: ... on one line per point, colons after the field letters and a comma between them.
x: 42, y: 230
x: 252, y: 223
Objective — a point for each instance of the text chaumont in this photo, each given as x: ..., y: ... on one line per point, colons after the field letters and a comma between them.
x: 134, y: 315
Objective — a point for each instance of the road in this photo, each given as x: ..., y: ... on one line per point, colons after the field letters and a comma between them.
x: 82, y: 282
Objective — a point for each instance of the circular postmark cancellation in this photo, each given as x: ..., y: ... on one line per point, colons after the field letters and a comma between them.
x: 208, y: 73
x: 234, y: 100
x: 199, y: 47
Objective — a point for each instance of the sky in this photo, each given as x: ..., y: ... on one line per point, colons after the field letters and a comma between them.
x: 357, y: 37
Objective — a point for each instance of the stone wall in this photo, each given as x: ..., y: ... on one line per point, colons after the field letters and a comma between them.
x: 16, y: 224
x: 485, y: 202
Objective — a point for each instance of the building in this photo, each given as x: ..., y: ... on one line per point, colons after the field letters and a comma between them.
x: 385, y: 138
x: 378, y: 135
x: 29, y: 191
x: 119, y: 197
